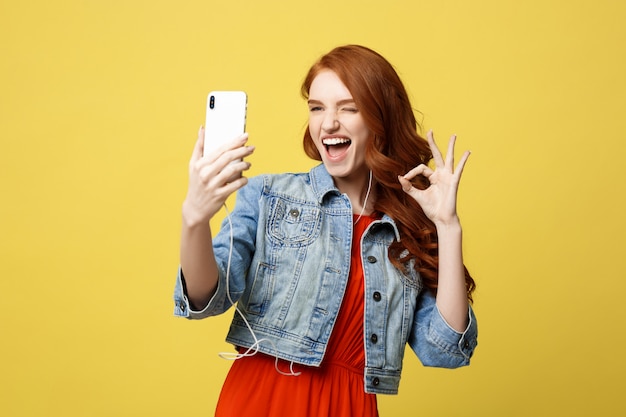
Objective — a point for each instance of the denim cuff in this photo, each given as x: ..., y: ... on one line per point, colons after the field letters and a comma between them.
x: 443, y: 335
x: 182, y: 307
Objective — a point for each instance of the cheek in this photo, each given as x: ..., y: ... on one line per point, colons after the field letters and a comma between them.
x: 314, y: 128
x: 358, y: 126
x: 363, y: 132
x: 312, y: 132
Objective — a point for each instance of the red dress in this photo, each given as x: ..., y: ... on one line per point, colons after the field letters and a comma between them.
x: 253, y: 387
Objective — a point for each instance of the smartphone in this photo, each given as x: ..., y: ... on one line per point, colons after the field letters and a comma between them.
x: 225, y: 118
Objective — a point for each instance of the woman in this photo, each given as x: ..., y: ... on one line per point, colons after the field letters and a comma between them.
x: 334, y: 271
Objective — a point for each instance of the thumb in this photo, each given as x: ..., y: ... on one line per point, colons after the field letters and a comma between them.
x: 198, y: 148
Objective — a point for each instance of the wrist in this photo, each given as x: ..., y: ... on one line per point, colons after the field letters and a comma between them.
x: 192, y: 217
x: 450, y: 225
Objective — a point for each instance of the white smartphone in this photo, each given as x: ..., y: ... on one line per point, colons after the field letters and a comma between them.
x: 225, y: 118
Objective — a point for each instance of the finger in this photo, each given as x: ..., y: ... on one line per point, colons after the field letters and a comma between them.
x: 419, y: 170
x: 232, y: 156
x: 459, y: 168
x: 407, y: 187
x: 240, y: 152
x: 434, y: 149
x: 230, y: 187
x: 235, y: 143
x: 229, y: 164
x: 450, y: 154
x: 233, y: 186
x: 232, y: 171
x: 229, y: 145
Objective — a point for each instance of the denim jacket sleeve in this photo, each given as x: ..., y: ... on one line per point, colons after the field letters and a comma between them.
x: 436, y: 343
x: 232, y: 265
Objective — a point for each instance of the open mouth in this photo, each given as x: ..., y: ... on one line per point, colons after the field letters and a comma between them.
x: 336, y: 146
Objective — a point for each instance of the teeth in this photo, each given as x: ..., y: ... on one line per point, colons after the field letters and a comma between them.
x: 335, y: 141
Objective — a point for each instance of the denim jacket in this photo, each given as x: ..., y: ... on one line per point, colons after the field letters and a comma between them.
x: 289, y: 266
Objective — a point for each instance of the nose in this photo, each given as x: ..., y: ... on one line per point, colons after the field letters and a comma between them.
x: 330, y: 122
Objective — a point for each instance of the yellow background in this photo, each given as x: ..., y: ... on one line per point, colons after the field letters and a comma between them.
x: 100, y: 102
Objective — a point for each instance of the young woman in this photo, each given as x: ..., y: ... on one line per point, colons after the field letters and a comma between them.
x: 333, y: 271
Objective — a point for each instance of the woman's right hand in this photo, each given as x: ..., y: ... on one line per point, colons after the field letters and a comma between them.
x: 211, y: 178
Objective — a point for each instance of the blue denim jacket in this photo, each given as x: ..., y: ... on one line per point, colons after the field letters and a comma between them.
x: 289, y: 266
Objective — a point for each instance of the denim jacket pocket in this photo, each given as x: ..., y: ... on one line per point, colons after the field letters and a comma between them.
x: 292, y: 224
x: 261, y: 291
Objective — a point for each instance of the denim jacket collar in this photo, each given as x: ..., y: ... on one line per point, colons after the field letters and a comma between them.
x: 322, y: 184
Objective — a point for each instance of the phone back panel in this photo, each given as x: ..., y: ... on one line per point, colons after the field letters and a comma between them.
x: 225, y: 118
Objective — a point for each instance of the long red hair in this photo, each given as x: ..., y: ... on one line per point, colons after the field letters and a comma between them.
x: 396, y: 148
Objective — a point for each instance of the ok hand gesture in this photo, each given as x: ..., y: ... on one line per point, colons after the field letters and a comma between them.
x: 438, y: 200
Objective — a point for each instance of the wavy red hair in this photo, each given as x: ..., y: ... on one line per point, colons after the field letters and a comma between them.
x: 395, y: 149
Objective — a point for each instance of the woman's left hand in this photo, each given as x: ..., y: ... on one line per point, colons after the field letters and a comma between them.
x: 438, y: 200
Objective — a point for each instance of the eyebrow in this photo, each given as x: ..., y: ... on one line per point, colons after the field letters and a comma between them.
x: 339, y: 103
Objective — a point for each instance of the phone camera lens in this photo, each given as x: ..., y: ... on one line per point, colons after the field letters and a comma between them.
x: 212, y: 102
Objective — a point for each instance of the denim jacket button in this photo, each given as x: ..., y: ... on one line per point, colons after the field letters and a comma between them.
x: 294, y: 212
x: 181, y: 305
x: 372, y: 259
x: 374, y: 338
x: 377, y: 296
x: 375, y: 382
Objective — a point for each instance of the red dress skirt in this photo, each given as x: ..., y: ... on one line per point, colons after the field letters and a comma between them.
x: 253, y: 387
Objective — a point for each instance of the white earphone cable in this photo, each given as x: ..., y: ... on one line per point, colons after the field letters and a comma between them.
x: 254, y: 349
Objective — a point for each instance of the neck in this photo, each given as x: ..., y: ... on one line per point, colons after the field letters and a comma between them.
x: 359, y: 191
